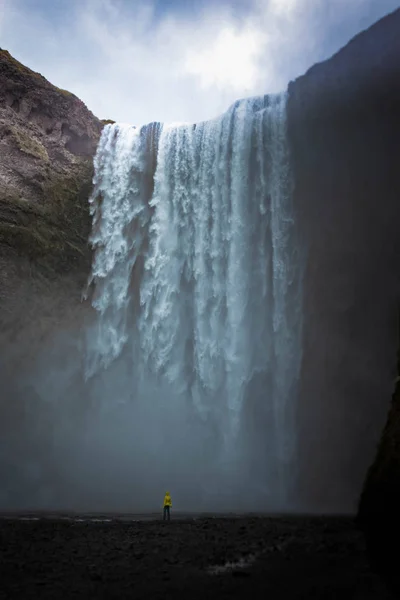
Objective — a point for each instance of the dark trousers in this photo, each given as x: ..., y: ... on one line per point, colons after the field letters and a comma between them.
x: 166, y: 513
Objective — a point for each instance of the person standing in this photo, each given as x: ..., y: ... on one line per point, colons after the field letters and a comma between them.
x: 167, y: 506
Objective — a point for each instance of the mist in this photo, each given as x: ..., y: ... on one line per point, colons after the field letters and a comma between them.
x: 97, y: 446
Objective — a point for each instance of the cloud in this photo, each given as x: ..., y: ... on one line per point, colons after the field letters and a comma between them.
x: 229, y: 62
x: 131, y: 62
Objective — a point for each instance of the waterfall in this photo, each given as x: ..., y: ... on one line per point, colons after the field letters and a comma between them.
x: 196, y: 272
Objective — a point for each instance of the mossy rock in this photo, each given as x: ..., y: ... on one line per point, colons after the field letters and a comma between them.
x: 64, y: 92
x: 20, y: 67
x: 28, y: 144
x: 33, y: 241
x: 54, y: 234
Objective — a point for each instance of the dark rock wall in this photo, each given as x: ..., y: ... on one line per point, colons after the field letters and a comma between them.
x: 378, y: 513
x: 344, y: 127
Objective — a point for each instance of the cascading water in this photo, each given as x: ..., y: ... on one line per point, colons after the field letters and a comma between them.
x: 196, y: 272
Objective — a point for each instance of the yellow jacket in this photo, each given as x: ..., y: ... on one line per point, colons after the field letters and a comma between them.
x: 167, y: 500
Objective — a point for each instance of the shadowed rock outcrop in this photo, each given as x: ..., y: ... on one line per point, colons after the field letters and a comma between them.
x: 344, y: 128
x: 379, y: 514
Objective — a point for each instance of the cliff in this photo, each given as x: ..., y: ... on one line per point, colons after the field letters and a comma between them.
x: 378, y: 513
x: 344, y: 128
x: 47, y: 141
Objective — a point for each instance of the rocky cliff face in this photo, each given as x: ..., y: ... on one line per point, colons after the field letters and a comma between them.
x: 47, y: 141
x: 344, y: 125
x: 379, y: 505
x: 344, y: 128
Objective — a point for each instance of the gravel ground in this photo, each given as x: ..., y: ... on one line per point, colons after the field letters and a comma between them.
x: 186, y: 558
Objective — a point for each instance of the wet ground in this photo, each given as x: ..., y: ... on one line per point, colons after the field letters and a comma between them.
x: 247, y: 557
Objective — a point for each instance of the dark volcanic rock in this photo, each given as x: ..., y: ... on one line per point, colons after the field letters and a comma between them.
x: 344, y: 128
x: 99, y: 560
x: 379, y: 514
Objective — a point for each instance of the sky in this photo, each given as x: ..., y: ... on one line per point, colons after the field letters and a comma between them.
x: 138, y: 61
